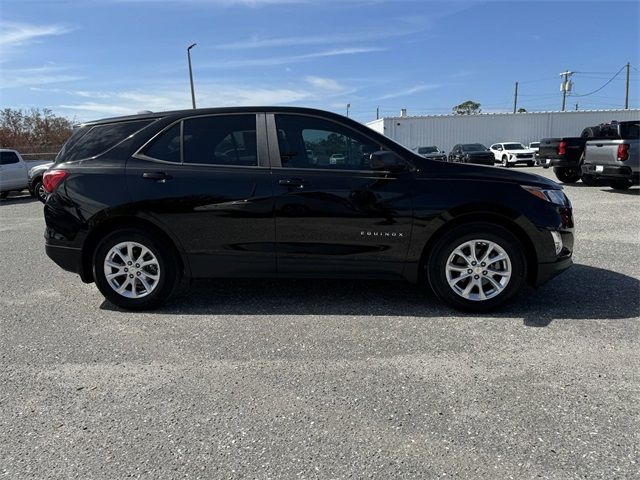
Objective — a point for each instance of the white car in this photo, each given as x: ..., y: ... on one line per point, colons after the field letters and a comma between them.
x: 337, y: 159
x: 14, y: 172
x: 512, y: 153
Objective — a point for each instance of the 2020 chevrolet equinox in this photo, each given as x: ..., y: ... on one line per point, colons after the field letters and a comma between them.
x: 136, y: 204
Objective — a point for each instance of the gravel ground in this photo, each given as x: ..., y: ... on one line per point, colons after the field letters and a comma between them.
x: 324, y: 379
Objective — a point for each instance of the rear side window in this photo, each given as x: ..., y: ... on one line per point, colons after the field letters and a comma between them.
x: 100, y: 138
x: 7, y: 158
x: 166, y: 146
x: 221, y: 140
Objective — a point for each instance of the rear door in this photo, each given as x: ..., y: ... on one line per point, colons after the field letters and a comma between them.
x: 206, y: 179
x: 335, y: 219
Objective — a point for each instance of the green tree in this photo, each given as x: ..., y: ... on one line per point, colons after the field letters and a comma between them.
x: 467, y: 108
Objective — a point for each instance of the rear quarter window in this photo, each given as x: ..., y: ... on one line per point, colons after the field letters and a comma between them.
x: 97, y: 139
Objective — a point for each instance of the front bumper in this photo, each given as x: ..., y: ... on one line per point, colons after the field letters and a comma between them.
x: 613, y: 172
x: 547, y: 271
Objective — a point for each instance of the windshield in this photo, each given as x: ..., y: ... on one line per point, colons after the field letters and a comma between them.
x: 423, y: 150
x: 534, y: 144
x: 474, y: 147
x: 514, y: 146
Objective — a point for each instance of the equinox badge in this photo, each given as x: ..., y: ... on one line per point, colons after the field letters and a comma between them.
x: 381, y: 234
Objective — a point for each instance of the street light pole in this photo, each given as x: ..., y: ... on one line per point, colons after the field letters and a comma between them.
x: 348, y: 107
x: 193, y: 94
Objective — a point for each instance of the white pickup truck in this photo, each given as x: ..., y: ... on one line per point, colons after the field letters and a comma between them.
x: 14, y: 172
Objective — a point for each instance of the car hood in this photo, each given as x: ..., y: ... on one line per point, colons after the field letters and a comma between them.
x: 431, y: 169
x: 478, y: 154
x: 526, y: 150
x: 40, y: 167
x: 433, y: 155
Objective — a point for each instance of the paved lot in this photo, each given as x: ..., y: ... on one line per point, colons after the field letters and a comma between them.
x: 319, y: 379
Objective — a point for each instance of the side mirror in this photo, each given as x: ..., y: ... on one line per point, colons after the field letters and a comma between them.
x: 385, y: 160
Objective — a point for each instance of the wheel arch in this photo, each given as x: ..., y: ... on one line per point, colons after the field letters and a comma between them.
x: 119, y: 222
x: 483, y: 216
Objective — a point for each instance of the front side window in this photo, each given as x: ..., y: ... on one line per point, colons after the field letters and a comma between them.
x: 221, y: 140
x: 308, y: 142
x: 7, y: 158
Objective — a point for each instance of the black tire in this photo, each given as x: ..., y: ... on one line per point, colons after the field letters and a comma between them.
x: 589, y: 180
x: 505, y: 161
x: 4, y: 195
x: 620, y: 184
x: 436, y: 265
x: 531, y: 164
x: 167, y: 259
x: 39, y: 192
x: 567, y: 174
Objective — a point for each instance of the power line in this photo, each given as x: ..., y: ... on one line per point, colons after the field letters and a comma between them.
x: 607, y: 83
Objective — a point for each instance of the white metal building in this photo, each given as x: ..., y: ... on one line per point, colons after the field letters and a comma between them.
x: 445, y: 131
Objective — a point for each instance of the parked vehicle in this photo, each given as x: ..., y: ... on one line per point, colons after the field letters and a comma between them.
x: 337, y: 159
x: 512, y: 153
x: 535, y: 146
x: 432, y: 152
x: 616, y: 161
x: 14, y: 170
x: 35, y: 181
x: 471, y: 153
x: 138, y: 203
x: 566, y: 154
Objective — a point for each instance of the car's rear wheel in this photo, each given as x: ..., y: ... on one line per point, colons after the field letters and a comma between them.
x: 567, y: 174
x: 134, y: 270
x: 589, y: 180
x: 477, y: 267
x: 620, y: 184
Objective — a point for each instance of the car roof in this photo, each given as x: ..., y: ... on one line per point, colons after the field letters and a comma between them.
x: 218, y: 110
x: 8, y: 150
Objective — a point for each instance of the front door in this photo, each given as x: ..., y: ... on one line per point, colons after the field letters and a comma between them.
x: 334, y: 215
x: 206, y: 180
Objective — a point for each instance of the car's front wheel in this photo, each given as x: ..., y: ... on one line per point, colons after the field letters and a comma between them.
x: 477, y: 267
x: 505, y: 161
x: 39, y: 192
x: 134, y: 270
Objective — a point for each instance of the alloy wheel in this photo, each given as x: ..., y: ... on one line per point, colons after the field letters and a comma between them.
x: 478, y: 270
x: 131, y: 269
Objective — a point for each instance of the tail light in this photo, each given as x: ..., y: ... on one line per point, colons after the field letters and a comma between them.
x: 562, y: 148
x: 52, y: 178
x: 623, y: 152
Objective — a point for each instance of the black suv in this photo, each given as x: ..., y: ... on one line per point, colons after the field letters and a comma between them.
x: 138, y: 203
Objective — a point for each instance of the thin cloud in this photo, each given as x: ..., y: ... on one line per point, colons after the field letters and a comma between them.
x: 274, y: 61
x: 330, y: 38
x: 324, y: 83
x: 409, y: 91
x: 27, y: 77
x: 13, y: 33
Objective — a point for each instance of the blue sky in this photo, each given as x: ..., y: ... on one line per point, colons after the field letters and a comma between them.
x: 95, y: 58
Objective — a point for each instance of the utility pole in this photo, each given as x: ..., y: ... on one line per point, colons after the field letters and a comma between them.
x: 626, y: 91
x: 565, y: 86
x: 377, y: 112
x: 576, y: 106
x: 193, y: 95
x: 515, y: 99
x: 348, y: 107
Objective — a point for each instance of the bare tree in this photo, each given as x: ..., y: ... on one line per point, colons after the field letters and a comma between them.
x: 33, y: 131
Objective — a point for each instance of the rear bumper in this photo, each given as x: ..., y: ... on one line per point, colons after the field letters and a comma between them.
x: 555, y: 162
x: 612, y: 172
x: 67, y: 258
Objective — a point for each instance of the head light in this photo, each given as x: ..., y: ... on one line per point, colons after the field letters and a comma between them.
x: 557, y: 197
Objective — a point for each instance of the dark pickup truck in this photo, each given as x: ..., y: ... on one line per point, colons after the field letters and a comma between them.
x: 566, y: 154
